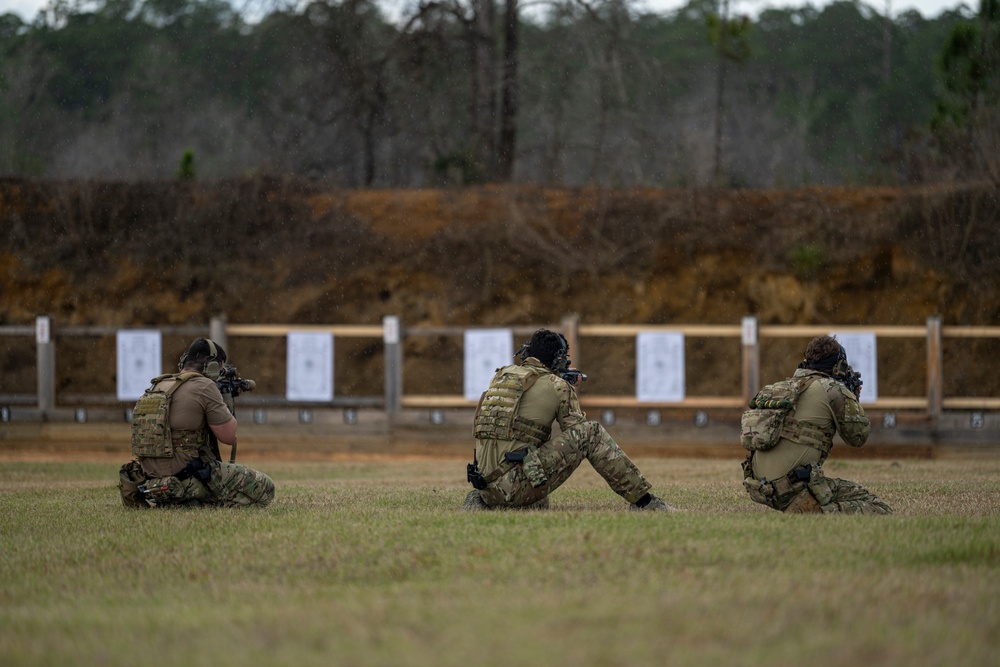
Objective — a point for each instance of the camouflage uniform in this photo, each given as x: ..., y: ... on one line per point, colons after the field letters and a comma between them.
x: 790, y: 477
x: 515, y: 418
x: 193, y: 407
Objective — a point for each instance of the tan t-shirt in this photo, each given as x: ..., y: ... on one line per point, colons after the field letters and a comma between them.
x: 196, y: 405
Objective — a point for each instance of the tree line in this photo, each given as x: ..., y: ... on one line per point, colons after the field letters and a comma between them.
x: 578, y: 92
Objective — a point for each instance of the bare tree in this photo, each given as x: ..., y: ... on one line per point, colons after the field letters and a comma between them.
x: 510, y: 94
x: 490, y: 35
x: 730, y: 38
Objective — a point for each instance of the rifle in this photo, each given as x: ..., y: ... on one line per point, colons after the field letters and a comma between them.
x: 852, y: 380
x: 573, y: 376
x: 231, y: 385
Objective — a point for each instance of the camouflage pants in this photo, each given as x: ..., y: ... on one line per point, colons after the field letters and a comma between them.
x: 833, y: 495
x: 852, y: 498
x: 230, y: 485
x: 546, y: 467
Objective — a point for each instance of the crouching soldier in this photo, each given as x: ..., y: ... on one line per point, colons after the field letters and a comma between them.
x: 176, y: 427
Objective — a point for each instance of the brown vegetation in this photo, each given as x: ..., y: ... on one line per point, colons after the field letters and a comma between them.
x: 284, y: 251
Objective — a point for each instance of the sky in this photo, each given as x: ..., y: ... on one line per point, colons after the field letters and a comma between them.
x: 928, y: 8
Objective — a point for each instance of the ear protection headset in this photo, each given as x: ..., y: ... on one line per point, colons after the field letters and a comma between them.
x: 559, y: 363
x: 835, y: 365
x: 212, y: 369
x: 841, y: 367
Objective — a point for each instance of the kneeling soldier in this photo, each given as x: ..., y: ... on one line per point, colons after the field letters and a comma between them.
x: 176, y: 427
x: 789, y: 431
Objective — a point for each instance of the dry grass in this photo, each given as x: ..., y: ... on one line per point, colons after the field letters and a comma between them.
x: 369, y: 562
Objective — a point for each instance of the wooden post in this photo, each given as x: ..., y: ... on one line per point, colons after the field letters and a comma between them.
x: 46, y: 346
x: 217, y: 331
x: 392, y: 337
x: 935, y: 382
x: 571, y: 330
x: 751, y: 358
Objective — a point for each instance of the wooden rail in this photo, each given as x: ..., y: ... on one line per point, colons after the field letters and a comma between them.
x: 574, y: 330
x: 272, y: 330
x: 392, y: 334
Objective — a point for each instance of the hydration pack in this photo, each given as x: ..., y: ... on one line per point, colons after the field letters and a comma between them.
x: 762, y: 426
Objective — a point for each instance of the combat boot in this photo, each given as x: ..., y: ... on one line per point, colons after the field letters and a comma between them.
x: 474, y: 502
x: 803, y: 503
x: 655, y: 504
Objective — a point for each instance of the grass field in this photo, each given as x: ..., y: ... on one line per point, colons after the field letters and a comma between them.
x: 369, y: 562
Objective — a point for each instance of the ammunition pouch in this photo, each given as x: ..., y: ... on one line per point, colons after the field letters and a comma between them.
x: 779, y: 493
x: 756, y: 490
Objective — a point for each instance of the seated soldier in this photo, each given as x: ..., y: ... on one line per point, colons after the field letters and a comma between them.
x: 517, y: 461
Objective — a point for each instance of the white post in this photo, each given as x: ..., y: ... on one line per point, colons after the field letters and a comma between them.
x: 751, y: 358
x: 46, y: 345
x: 392, y: 337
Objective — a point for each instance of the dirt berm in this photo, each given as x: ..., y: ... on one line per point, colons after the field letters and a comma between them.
x: 272, y: 250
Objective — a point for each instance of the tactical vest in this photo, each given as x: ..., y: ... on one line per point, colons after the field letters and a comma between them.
x: 151, y: 433
x: 496, y: 418
x: 768, y: 421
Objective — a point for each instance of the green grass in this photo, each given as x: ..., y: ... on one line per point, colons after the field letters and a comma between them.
x: 372, y: 563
